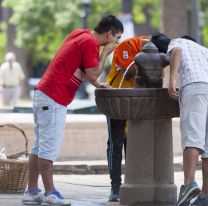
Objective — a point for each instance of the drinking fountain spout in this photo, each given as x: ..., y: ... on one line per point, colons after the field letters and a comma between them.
x: 150, y: 64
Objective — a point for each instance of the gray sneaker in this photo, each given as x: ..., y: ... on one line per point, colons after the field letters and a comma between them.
x: 187, y: 193
x: 200, y: 201
x: 114, y: 197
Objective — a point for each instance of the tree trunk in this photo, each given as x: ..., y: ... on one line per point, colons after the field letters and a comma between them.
x: 174, y: 17
x: 126, y: 19
x: 174, y: 22
x: 145, y: 28
x: 127, y: 6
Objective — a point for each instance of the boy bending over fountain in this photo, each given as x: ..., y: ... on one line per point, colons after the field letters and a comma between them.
x: 122, y: 74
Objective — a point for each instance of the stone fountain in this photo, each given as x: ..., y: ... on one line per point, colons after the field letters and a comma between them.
x: 149, y: 175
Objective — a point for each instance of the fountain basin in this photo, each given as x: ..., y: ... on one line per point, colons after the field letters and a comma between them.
x: 149, y: 177
x: 136, y: 103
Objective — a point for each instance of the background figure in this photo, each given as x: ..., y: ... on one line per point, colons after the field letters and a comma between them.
x: 11, y: 77
x: 123, y: 56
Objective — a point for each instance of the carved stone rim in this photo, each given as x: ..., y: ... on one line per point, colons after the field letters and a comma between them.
x: 131, y: 92
x: 136, y: 103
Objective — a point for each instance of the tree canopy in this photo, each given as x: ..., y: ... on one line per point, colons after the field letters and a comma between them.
x: 42, y: 25
x: 204, y: 7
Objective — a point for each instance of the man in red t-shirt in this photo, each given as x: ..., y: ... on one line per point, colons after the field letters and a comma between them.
x: 76, y: 60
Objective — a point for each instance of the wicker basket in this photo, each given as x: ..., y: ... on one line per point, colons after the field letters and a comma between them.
x: 13, y: 172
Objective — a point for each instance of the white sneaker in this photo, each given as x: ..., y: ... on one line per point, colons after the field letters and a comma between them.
x: 35, y: 198
x: 55, y: 198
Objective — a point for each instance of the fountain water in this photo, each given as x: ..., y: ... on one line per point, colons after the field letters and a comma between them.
x: 124, y: 74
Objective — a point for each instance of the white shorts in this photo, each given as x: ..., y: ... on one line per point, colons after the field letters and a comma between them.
x: 49, y: 118
x: 194, y: 117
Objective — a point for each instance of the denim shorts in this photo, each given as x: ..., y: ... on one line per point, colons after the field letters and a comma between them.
x: 194, y: 117
x: 49, y: 118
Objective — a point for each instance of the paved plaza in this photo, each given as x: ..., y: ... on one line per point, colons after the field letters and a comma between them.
x: 85, y: 183
x: 85, y: 190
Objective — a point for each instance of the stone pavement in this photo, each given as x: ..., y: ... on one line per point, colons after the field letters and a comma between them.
x: 86, y: 183
x: 85, y: 190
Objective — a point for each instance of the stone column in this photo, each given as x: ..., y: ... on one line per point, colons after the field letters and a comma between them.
x: 149, y: 173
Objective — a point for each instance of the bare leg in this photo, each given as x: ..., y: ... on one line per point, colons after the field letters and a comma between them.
x: 190, y: 159
x: 205, y: 177
x: 33, y: 172
x: 46, y: 171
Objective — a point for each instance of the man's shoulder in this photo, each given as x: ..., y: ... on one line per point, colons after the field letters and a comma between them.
x: 88, y: 38
x: 4, y: 65
x: 80, y: 35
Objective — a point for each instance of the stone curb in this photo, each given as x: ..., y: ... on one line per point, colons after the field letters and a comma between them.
x: 61, y: 168
x: 81, y: 169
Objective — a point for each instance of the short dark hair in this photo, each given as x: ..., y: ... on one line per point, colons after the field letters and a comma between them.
x: 109, y: 23
x: 161, y: 41
x: 188, y: 37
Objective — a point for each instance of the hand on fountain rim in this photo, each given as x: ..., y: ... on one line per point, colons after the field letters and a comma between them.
x: 104, y: 85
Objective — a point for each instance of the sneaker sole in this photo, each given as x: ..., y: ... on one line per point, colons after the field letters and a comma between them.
x: 45, y: 203
x: 113, y: 200
x: 25, y: 202
x: 189, y: 196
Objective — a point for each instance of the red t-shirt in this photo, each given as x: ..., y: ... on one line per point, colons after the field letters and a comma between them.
x: 66, y: 71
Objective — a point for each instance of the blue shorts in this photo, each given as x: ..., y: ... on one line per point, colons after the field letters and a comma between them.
x: 49, y: 118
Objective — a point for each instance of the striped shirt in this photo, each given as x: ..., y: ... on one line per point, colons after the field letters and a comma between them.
x: 194, y: 61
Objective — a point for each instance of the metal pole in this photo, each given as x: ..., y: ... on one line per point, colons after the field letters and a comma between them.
x: 1, y: 13
x: 127, y: 6
x: 86, y: 8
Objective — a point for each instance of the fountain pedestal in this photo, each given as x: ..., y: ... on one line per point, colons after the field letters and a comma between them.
x: 149, y: 176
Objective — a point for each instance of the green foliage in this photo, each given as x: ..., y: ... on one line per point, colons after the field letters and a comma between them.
x: 3, y: 40
x: 205, y: 36
x: 204, y: 7
x: 42, y: 25
x: 2, y: 46
x: 152, y: 6
x: 100, y: 8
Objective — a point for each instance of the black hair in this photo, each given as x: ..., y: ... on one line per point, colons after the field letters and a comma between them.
x: 188, y: 37
x: 109, y: 23
x: 161, y: 41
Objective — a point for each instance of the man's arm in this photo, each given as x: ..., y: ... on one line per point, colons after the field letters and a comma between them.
x: 175, y: 59
x: 92, y: 74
